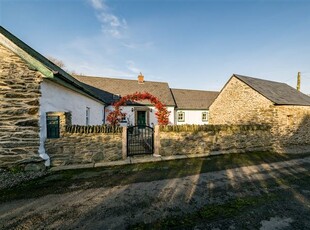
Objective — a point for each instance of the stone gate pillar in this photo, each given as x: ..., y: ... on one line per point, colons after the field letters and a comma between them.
x: 124, y: 143
x: 156, y: 141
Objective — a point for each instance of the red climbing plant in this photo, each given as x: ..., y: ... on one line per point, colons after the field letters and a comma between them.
x: 162, y: 114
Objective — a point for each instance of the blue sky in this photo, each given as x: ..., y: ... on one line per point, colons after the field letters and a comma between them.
x: 192, y: 44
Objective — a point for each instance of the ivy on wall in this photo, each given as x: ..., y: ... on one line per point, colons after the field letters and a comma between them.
x: 162, y: 114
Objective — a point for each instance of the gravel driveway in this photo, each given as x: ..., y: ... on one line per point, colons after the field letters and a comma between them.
x: 120, y: 207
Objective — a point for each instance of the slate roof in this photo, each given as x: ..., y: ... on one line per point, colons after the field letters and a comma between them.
x: 108, y: 88
x: 277, y: 92
x: 193, y: 99
x: 57, y: 71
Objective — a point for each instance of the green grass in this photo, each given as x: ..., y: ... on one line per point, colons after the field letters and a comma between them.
x: 70, y: 180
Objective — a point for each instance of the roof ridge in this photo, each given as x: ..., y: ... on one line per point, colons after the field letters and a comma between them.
x: 196, y: 90
x: 113, y: 78
x: 260, y: 79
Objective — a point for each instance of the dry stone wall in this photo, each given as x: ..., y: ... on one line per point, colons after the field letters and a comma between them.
x: 19, y: 110
x: 292, y: 129
x: 84, y: 148
x: 216, y: 139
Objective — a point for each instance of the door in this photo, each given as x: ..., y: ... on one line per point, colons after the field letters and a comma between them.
x: 141, y: 118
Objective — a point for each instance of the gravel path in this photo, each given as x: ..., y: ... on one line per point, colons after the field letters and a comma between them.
x: 121, y: 206
x: 9, y: 179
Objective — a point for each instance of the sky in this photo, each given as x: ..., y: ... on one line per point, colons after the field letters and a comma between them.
x: 193, y: 44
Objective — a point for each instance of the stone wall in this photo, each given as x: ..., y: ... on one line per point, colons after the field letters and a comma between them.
x: 84, y: 148
x: 215, y: 139
x: 292, y: 129
x: 19, y: 117
x: 240, y: 104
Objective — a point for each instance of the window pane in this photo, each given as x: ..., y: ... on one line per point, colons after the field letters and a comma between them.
x: 52, y: 126
x: 205, y: 116
x: 181, y: 116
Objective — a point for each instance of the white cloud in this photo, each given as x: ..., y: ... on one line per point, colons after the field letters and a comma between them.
x: 144, y: 45
x: 110, y: 23
x: 97, y: 4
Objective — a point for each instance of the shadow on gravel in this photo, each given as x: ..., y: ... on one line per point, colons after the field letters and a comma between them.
x: 178, y: 194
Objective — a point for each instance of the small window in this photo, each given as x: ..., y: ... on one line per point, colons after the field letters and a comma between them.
x: 87, y: 115
x: 205, y: 116
x: 181, y: 116
x: 123, y: 118
x: 52, y: 126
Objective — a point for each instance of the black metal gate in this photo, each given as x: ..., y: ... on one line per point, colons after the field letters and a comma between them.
x: 140, y: 140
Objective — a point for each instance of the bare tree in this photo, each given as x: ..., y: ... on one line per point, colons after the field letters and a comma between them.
x: 62, y: 65
x: 56, y: 61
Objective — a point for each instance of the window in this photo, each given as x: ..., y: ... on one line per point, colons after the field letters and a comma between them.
x: 205, y: 116
x: 52, y: 126
x: 87, y: 115
x: 123, y: 119
x: 181, y: 116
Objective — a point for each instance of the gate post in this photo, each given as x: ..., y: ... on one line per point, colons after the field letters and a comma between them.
x: 124, y: 143
x: 156, y: 141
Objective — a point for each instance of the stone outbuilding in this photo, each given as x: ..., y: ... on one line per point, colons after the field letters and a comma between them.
x: 247, y: 100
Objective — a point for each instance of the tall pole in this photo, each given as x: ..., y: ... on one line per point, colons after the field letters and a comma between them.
x: 298, y: 81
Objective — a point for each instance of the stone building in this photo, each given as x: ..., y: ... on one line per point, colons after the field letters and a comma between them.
x: 247, y: 100
x: 38, y: 99
x: 36, y: 96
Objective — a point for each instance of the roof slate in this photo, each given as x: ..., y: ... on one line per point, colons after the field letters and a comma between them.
x: 109, y: 88
x: 277, y: 92
x: 193, y: 99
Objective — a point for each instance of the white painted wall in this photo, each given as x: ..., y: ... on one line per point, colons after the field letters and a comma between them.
x: 191, y: 117
x: 130, y: 116
x: 57, y: 98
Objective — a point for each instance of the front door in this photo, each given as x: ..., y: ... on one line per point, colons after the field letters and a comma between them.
x: 141, y: 119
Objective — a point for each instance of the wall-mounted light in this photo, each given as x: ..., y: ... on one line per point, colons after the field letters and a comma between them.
x: 151, y: 110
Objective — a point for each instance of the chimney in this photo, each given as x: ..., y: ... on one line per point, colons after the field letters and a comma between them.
x: 298, y: 81
x: 140, y: 78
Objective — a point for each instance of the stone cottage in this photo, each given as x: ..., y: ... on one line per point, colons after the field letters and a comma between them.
x: 245, y: 100
x: 36, y: 96
x: 38, y: 99
x: 185, y: 106
x: 137, y: 113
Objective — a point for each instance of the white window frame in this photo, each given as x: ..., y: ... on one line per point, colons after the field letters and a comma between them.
x: 182, y: 118
x: 124, y: 118
x: 87, y: 115
x: 206, y: 119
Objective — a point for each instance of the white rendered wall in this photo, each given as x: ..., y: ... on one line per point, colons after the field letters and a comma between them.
x: 130, y: 116
x: 192, y: 117
x: 56, y: 98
